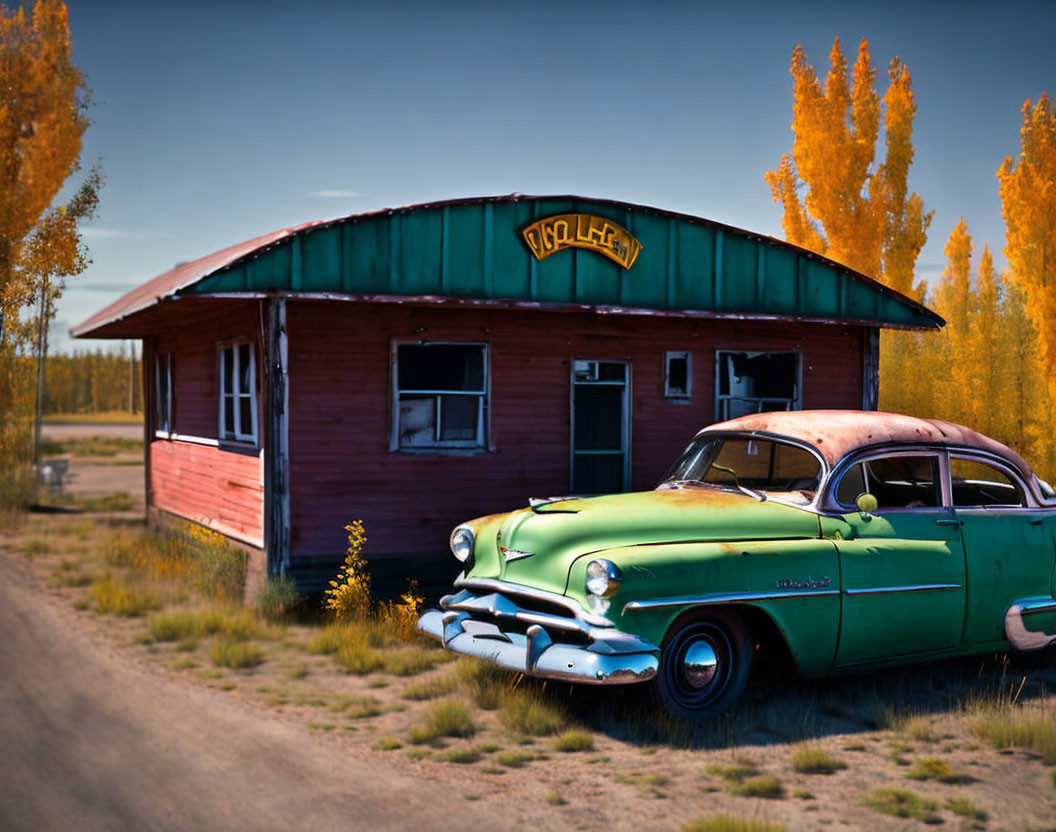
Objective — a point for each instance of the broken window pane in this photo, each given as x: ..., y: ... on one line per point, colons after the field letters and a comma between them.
x: 441, y: 395
x: 676, y: 384
x: 755, y: 382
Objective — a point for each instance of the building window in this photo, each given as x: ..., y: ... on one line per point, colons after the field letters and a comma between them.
x: 677, y: 377
x: 754, y: 382
x: 238, y: 400
x: 441, y: 396
x: 163, y: 393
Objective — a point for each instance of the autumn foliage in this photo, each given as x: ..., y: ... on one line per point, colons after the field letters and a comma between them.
x: 856, y: 212
x: 991, y: 366
x: 43, y: 104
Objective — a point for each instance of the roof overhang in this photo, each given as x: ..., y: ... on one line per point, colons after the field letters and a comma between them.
x: 444, y: 254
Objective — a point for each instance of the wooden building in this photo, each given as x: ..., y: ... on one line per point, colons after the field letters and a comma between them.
x: 420, y: 366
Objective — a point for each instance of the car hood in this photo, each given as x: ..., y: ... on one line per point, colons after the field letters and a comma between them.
x: 544, y: 541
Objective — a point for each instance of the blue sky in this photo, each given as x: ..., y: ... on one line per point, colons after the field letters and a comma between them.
x: 219, y: 121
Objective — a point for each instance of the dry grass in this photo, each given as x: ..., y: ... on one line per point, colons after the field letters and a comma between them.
x: 732, y: 823
x: 736, y: 773
x: 114, y: 596
x: 813, y: 759
x: 903, y: 804
x: 574, y: 740
x: 410, y: 661
x: 1011, y: 726
x: 514, y: 759
x: 485, y: 681
x: 462, y: 756
x: 528, y: 711
x: 766, y: 786
x: 227, y: 652
x: 447, y: 718
x: 963, y: 807
x: 428, y: 689
x: 936, y: 768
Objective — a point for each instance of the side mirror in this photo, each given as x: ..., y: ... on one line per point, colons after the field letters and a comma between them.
x: 867, y: 504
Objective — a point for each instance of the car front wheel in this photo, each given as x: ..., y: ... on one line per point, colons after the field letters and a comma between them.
x: 704, y: 664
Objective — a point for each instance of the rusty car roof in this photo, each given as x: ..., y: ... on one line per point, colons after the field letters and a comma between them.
x: 836, y: 433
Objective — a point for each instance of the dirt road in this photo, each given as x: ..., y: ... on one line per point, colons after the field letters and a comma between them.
x: 90, y: 741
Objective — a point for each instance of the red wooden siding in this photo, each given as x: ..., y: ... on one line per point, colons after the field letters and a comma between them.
x: 341, y: 405
x: 219, y: 489
x: 220, y: 486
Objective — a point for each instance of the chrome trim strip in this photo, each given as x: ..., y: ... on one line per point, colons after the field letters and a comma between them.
x: 883, y: 590
x: 1034, y: 605
x: 729, y: 598
x: 507, y: 588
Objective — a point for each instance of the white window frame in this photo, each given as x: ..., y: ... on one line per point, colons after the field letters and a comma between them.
x: 236, y: 395
x: 722, y: 401
x: 681, y: 397
x: 163, y: 426
x: 476, y: 445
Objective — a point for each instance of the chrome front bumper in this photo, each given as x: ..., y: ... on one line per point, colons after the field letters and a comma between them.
x: 494, y: 625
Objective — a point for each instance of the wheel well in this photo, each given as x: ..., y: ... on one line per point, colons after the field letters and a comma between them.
x: 772, y: 654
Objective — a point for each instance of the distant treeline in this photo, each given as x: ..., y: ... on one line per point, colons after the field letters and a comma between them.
x: 92, y: 383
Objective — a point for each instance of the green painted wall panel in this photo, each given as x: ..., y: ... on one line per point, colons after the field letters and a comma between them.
x: 694, y: 267
x: 739, y: 259
x: 474, y: 249
x: 646, y: 284
x: 820, y: 295
x: 320, y: 261
x: 369, y: 261
x: 466, y: 251
x: 420, y: 242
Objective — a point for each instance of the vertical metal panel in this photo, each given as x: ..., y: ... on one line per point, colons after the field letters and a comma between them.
x: 489, y: 249
x: 717, y: 273
x: 870, y: 368
x: 394, y: 253
x: 276, y: 438
x: 296, y: 268
x: 445, y: 250
x: 420, y: 253
x: 672, y: 264
x: 347, y: 273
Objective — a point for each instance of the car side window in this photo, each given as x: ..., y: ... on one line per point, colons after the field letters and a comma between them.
x: 977, y: 484
x: 897, y: 482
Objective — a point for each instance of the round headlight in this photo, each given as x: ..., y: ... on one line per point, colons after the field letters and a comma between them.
x: 462, y: 543
x: 603, y: 578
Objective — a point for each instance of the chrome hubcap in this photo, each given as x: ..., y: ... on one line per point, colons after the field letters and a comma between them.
x: 700, y: 665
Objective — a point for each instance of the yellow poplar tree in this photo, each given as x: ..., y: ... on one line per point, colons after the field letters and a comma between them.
x: 953, y: 300
x: 42, y: 119
x: 852, y: 211
x: 982, y: 357
x: 1028, y: 202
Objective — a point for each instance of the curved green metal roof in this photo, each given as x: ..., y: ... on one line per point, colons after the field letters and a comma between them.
x: 472, y: 250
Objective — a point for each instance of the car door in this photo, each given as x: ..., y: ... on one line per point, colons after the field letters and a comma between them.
x: 902, y: 568
x: 1008, y: 549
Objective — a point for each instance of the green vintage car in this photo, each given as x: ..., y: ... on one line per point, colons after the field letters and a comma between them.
x: 850, y: 540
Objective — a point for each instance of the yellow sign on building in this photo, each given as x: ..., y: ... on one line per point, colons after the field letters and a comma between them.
x: 552, y: 234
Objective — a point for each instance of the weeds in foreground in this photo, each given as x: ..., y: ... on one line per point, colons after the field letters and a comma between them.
x: 348, y: 598
x: 198, y: 559
x: 936, y: 768
x: 732, y: 823
x: 963, y: 807
x: 813, y: 759
x: 410, y: 661
x: 736, y: 773
x: 227, y: 652
x: 514, y: 759
x: 463, y: 756
x: 278, y: 598
x: 447, y: 718
x: 527, y: 711
x: 902, y: 804
x: 114, y: 596
x: 766, y: 786
x: 574, y: 740
x: 429, y: 689
x: 485, y: 681
x: 1011, y: 726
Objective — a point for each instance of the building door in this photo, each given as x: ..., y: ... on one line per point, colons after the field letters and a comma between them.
x: 601, y: 435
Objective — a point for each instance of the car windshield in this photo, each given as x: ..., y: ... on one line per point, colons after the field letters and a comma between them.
x: 757, y: 464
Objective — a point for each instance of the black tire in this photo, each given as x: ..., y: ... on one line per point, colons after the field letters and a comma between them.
x: 697, y: 688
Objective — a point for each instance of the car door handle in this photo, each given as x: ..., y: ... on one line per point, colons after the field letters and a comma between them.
x: 1035, y: 522
x: 949, y: 522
